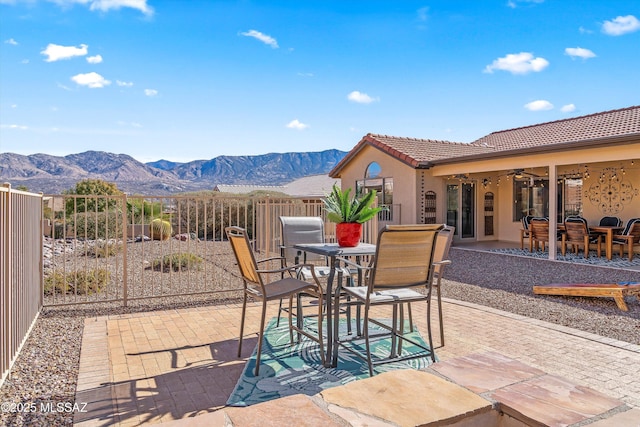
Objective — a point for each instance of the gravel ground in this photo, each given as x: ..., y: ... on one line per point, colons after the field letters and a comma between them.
x: 45, y: 373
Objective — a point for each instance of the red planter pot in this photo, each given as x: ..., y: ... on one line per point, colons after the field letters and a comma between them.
x: 348, y: 234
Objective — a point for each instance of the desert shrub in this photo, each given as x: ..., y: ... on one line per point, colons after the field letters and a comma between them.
x: 96, y: 192
x: 100, y: 225
x: 81, y: 282
x: 104, y: 248
x: 177, y: 262
x: 160, y: 229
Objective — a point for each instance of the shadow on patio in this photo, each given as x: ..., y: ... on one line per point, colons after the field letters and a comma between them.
x: 149, y: 368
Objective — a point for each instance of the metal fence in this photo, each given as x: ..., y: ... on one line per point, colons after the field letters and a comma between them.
x: 125, y: 248
x: 20, y: 270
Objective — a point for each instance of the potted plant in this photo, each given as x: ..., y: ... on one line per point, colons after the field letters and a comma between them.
x: 349, y: 213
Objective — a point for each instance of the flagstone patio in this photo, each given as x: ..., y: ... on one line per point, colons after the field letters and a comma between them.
x: 157, y: 367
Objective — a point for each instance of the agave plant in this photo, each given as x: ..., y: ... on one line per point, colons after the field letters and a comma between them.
x: 341, y: 207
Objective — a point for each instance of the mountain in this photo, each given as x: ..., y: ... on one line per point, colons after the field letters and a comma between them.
x: 53, y: 175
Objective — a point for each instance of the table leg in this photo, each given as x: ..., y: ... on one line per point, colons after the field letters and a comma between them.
x: 329, y: 313
x: 609, y: 243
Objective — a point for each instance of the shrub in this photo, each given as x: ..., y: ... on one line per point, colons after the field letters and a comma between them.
x: 101, y: 225
x: 177, y: 262
x: 79, y: 282
x: 160, y: 229
x: 104, y: 248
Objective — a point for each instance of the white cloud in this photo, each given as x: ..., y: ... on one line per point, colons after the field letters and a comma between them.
x: 297, y: 125
x: 16, y: 127
x: 578, y: 52
x: 583, y: 30
x: 94, y: 59
x: 124, y: 84
x: 105, y: 5
x: 361, y: 98
x: 514, y: 3
x: 568, y: 108
x: 423, y: 14
x: 621, y: 25
x: 268, y: 40
x: 539, y: 105
x: 11, y: 41
x: 91, y: 80
x: 55, y: 52
x: 518, y: 63
x: 305, y: 74
x: 150, y: 92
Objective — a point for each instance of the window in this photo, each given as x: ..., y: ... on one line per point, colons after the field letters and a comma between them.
x: 534, y: 199
x: 531, y: 197
x: 383, y: 186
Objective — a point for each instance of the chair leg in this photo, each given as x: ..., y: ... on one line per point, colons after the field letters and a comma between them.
x: 289, y: 317
x: 440, y: 314
x: 279, y: 312
x: 366, y: 339
x: 244, y: 310
x: 320, y: 337
x: 261, y: 335
x: 397, y: 329
x: 410, y: 317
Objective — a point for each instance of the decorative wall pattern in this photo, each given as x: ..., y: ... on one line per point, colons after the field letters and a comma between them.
x: 611, y: 192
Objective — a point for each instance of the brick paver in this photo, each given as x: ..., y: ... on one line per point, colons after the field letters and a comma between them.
x: 161, y: 366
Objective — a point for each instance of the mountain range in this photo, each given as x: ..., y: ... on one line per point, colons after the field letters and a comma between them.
x: 54, y: 174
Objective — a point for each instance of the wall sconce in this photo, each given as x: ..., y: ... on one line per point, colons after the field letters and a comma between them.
x: 486, y: 182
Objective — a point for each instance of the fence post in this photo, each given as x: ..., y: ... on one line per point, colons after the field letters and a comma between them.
x: 125, y: 238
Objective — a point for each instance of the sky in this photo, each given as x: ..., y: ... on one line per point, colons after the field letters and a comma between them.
x: 197, y: 79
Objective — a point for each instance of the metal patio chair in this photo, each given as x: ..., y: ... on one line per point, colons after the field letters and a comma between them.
x: 403, y: 262
x: 256, y: 287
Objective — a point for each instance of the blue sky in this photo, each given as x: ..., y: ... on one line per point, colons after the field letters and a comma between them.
x: 188, y: 80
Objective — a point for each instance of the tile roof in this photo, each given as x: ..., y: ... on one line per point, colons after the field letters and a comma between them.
x: 625, y: 121
x: 307, y: 186
x: 420, y: 153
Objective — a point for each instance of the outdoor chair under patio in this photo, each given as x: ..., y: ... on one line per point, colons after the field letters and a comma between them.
x: 576, y: 233
x: 539, y: 233
x: 307, y: 229
x: 288, y: 286
x: 404, y: 260
x: 525, y: 232
x: 629, y: 238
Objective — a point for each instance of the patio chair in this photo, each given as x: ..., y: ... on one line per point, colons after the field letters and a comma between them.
x: 306, y: 229
x: 256, y: 287
x: 576, y: 233
x: 403, y: 261
x: 629, y: 238
x: 612, y: 221
x: 525, y: 233
x: 440, y: 258
x: 539, y: 233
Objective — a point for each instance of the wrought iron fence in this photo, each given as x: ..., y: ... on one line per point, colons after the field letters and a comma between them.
x: 123, y: 248
x: 20, y: 270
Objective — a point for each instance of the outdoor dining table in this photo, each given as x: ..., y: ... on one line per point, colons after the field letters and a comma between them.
x: 333, y: 252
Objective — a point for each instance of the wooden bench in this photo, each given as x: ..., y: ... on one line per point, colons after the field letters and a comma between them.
x: 617, y: 291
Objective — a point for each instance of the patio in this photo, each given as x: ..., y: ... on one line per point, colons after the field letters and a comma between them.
x: 157, y: 367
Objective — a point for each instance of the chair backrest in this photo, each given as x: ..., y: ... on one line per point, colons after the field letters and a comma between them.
x: 404, y: 256
x: 612, y: 221
x: 526, y: 220
x: 301, y: 229
x: 633, y: 228
x: 576, y: 228
x: 539, y: 228
x: 443, y: 244
x: 244, y: 256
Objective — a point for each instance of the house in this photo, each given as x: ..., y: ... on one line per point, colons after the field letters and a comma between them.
x: 484, y: 188
x: 312, y: 186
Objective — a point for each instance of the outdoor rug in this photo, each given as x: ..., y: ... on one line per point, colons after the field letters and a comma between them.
x: 593, y: 259
x: 286, y: 370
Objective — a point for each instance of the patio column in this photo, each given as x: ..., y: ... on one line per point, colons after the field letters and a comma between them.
x: 553, y: 210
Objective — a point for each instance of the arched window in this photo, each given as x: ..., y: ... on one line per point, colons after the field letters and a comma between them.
x: 373, y: 170
x: 374, y: 180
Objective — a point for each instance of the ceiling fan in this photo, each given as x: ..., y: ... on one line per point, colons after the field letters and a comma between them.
x: 521, y: 173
